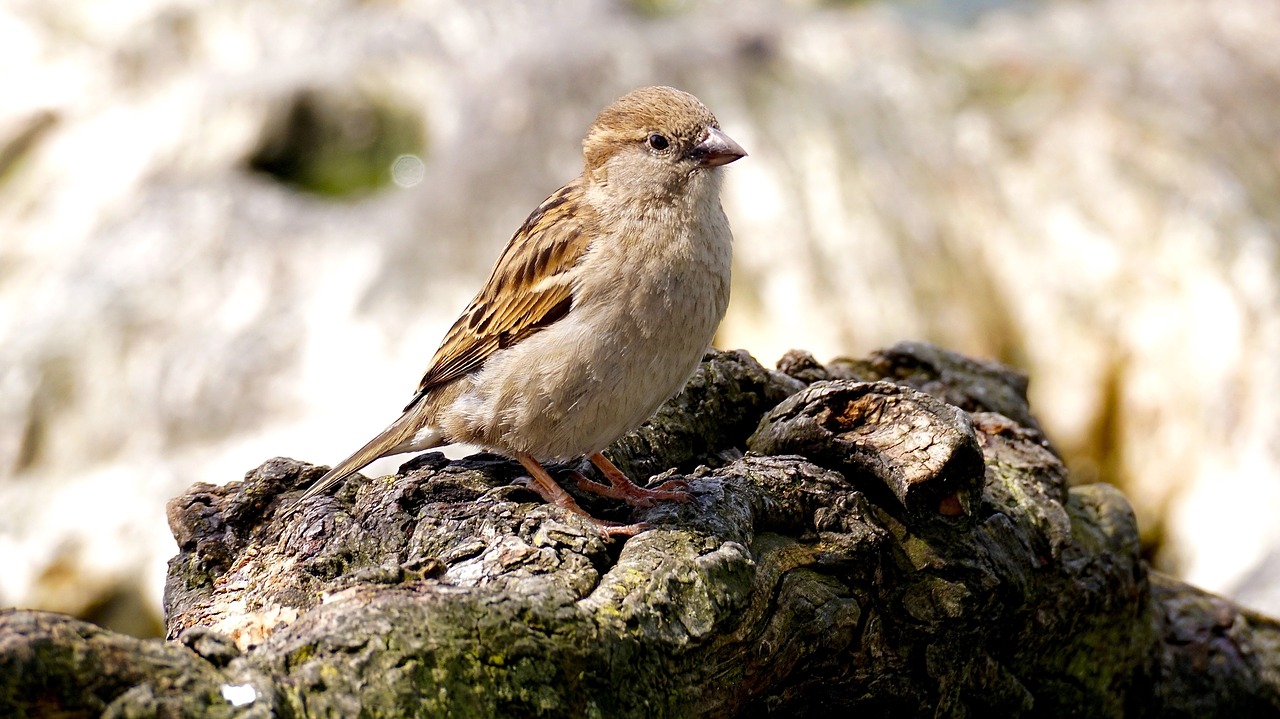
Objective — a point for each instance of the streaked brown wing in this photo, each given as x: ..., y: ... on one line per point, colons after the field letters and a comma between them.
x: 528, y: 289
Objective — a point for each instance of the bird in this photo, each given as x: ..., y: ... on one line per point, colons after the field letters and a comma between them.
x: 597, y: 311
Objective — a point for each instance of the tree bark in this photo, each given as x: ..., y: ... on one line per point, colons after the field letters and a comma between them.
x: 899, y: 539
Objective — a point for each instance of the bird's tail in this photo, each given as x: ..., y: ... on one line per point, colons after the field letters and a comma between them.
x: 406, y: 434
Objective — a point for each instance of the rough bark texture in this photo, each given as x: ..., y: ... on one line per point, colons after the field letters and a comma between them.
x: 899, y: 540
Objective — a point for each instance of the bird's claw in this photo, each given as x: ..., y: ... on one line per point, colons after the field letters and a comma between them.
x: 676, y: 486
x: 610, y: 530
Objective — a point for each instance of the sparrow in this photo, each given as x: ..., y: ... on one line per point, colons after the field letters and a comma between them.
x: 598, y: 310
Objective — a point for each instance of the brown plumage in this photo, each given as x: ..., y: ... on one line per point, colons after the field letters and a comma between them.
x: 597, y: 310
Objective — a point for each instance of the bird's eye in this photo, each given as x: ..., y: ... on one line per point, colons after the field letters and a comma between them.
x: 658, y: 142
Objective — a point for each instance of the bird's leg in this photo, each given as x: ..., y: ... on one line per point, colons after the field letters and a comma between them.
x: 544, y: 486
x: 620, y: 487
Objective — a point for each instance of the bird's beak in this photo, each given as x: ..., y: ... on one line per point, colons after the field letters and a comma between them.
x: 717, y: 149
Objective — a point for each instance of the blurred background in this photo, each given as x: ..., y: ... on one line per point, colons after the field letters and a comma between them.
x: 236, y: 229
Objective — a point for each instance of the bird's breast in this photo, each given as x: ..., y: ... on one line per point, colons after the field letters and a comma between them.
x: 664, y: 273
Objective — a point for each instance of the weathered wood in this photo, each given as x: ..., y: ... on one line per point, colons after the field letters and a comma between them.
x: 879, y: 550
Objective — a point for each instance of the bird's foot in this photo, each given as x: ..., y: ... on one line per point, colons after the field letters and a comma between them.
x: 544, y: 486
x: 675, y: 490
x: 606, y: 528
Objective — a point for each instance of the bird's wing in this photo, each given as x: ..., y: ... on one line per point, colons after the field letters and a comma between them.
x: 531, y: 286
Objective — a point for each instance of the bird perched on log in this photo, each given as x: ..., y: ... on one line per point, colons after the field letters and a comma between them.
x: 597, y: 311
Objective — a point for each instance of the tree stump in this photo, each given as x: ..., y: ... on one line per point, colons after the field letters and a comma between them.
x: 893, y: 536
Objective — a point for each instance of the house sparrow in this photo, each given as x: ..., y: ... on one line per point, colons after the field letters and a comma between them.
x: 598, y: 310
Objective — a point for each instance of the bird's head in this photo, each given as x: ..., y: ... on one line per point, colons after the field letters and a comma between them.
x: 653, y: 141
